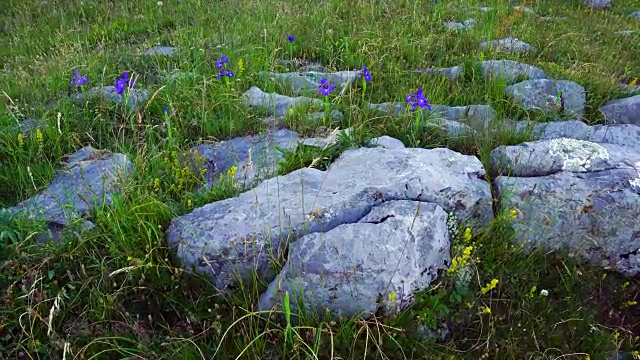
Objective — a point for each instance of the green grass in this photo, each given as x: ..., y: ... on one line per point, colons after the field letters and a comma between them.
x: 117, y: 291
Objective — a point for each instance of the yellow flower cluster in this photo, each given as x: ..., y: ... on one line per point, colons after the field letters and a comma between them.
x: 460, y: 261
x: 490, y: 286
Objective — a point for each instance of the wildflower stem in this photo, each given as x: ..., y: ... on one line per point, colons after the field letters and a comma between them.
x: 326, y: 111
x: 364, y: 88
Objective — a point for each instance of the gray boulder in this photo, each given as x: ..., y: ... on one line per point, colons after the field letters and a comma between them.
x: 355, y: 269
x: 543, y: 94
x: 255, y: 157
x: 453, y: 119
x: 466, y: 25
x: 134, y: 99
x: 277, y: 105
x: 90, y: 179
x: 233, y: 238
x: 508, y: 45
x: 510, y: 70
x: 308, y: 81
x: 597, y: 4
x: 635, y: 14
x: 621, y: 134
x: 451, y: 73
x: 577, y: 195
x: 546, y: 157
x: 622, y: 111
x: 387, y: 142
x: 166, y: 51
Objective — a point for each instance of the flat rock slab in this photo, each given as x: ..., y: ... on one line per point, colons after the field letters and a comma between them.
x: 256, y: 157
x: 232, y: 238
x: 451, y: 73
x: 89, y: 179
x: 547, y: 95
x: 511, y: 71
x: 546, y: 157
x: 135, y: 98
x: 378, y: 262
x: 508, y: 45
x: 465, y: 25
x: 577, y: 195
x: 468, y: 118
x: 597, y: 4
x: 627, y: 135
x: 622, y: 111
x: 167, y: 51
x: 308, y: 81
x: 277, y: 105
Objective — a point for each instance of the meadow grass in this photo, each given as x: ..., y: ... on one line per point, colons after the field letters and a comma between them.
x: 116, y: 291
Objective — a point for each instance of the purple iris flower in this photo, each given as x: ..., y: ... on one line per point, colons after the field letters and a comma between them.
x: 367, y: 75
x: 225, y: 72
x: 417, y: 100
x: 291, y: 38
x: 221, y: 61
x: 326, y: 87
x: 78, y: 80
x: 124, y: 82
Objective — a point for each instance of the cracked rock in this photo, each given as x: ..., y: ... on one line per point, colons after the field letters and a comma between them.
x: 89, y: 179
x: 576, y: 195
x: 355, y: 269
x: 308, y: 81
x: 622, y: 111
x: 277, y: 105
x: 230, y: 239
x: 508, y: 45
x: 550, y: 96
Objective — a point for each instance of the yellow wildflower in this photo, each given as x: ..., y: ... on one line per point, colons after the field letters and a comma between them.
x: 240, y: 66
x: 189, y: 203
x: 459, y: 262
x: 392, y: 297
x: 633, y: 83
x: 513, y: 214
x: 532, y: 291
x: 156, y: 185
x: 630, y: 303
x: 490, y: 286
x: 485, y: 310
x: 20, y: 140
x: 467, y: 235
x: 39, y: 137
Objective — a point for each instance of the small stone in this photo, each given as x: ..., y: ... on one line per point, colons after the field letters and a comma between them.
x: 597, y: 4
x: 508, y: 45
x: 510, y: 70
x: 544, y: 95
x: 308, y: 81
x: 635, y: 15
x: 451, y: 73
x: 160, y: 51
x: 277, y: 105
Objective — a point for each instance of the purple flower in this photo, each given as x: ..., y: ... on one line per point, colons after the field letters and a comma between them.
x: 326, y: 87
x: 291, y: 38
x: 166, y: 111
x: 123, y: 83
x: 221, y: 61
x: 225, y: 72
x: 78, y: 80
x: 367, y: 75
x: 417, y: 100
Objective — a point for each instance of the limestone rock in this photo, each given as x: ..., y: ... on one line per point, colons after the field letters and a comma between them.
x: 160, y: 51
x: 547, y: 95
x: 232, y: 238
x: 510, y: 70
x: 508, y: 45
x: 308, y: 81
x: 89, y: 179
x: 377, y: 262
x: 135, y: 97
x: 277, y: 105
x: 578, y: 195
x: 622, y: 111
x: 597, y: 4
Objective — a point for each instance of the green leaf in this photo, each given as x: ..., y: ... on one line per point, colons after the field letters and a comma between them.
x: 51, y: 273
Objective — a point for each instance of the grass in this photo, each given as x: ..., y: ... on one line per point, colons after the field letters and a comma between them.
x: 115, y: 292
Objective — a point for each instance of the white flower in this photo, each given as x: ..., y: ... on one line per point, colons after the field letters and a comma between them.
x: 160, y: 3
x: 544, y: 292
